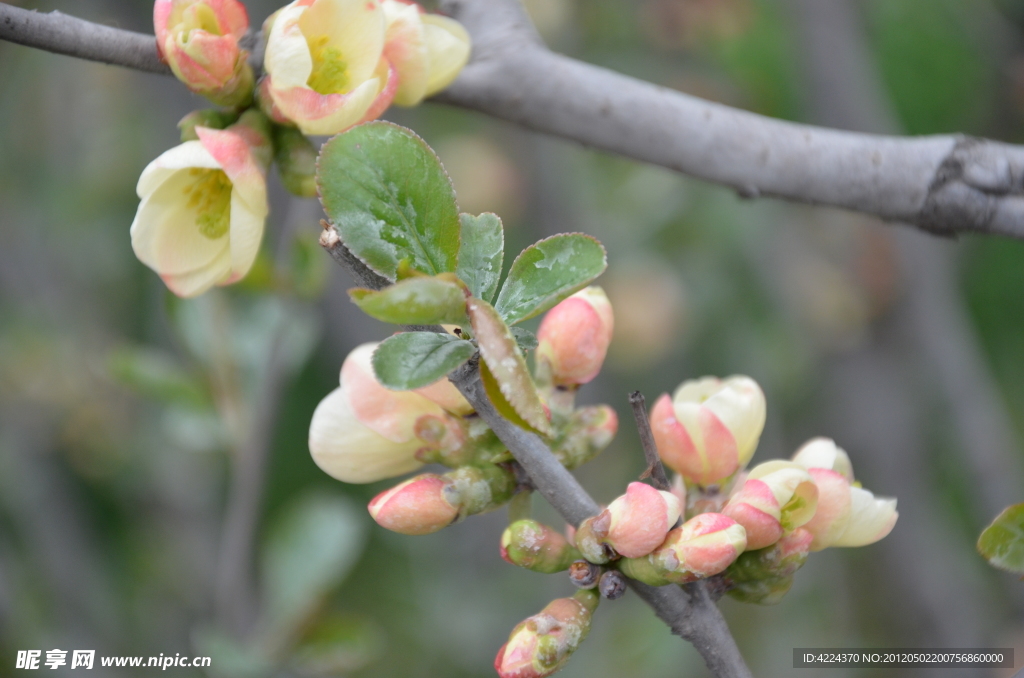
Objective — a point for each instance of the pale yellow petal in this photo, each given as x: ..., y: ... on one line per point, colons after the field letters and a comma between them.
x: 448, y: 47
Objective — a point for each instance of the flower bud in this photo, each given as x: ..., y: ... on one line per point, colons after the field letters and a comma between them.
x: 847, y: 515
x: 710, y: 428
x: 426, y: 50
x: 325, y: 65
x: 205, y: 117
x: 584, y: 575
x: 573, y: 338
x: 363, y: 432
x: 536, y: 547
x: 444, y: 393
x: 701, y: 547
x: 541, y: 645
x: 778, y: 496
x: 295, y: 156
x: 203, y: 207
x: 420, y: 505
x: 612, y: 585
x: 590, y: 538
x: 765, y: 575
x: 640, y: 519
x: 589, y: 430
x: 199, y: 41
x: 483, y: 487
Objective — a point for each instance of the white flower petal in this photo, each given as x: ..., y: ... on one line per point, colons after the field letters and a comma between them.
x: 188, y: 154
x: 355, y: 27
x: 165, y: 235
x: 448, y: 46
x: 246, y: 234
x: 870, y: 519
x: 349, y: 451
x: 287, y: 56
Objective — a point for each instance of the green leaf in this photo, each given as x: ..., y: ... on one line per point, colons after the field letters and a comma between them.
x: 416, y: 359
x: 526, y: 339
x: 422, y: 300
x: 482, y: 253
x: 505, y: 362
x: 309, y: 551
x: 390, y: 199
x: 1002, y: 542
x: 159, y: 375
x: 547, y: 272
x: 501, y: 404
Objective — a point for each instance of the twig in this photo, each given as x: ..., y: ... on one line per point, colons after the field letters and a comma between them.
x: 655, y: 470
x: 691, y: 614
x: 946, y: 184
x: 234, y: 596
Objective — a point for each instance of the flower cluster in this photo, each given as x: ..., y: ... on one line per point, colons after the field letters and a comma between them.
x: 363, y: 432
x: 329, y: 65
x: 752, y: 529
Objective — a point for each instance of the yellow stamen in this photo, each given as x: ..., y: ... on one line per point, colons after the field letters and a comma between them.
x: 210, y: 196
x: 330, y: 71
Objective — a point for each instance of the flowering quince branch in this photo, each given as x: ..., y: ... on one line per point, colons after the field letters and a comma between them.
x: 945, y: 184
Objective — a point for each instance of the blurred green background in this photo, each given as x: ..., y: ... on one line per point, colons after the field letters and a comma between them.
x: 121, y: 408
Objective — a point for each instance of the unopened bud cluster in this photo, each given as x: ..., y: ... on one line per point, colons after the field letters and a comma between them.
x: 329, y: 65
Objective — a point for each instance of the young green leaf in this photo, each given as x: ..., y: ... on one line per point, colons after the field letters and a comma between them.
x: 417, y: 359
x: 494, y: 394
x: 1002, y: 542
x: 423, y: 300
x: 482, y: 253
x: 526, y: 339
x: 547, y: 272
x: 389, y: 197
x: 505, y: 362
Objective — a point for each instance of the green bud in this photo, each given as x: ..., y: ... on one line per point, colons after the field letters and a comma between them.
x: 765, y: 575
x: 588, y: 431
x: 205, y: 117
x: 482, y: 488
x: 295, y: 156
x: 536, y: 547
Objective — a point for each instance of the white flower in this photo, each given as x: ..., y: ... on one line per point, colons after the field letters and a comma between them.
x: 202, y: 213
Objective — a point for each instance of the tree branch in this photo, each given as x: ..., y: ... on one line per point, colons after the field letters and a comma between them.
x: 690, y: 613
x: 947, y: 184
x: 655, y: 470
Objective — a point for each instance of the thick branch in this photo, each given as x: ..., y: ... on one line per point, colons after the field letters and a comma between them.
x: 943, y: 184
x: 63, y: 34
x: 691, y: 614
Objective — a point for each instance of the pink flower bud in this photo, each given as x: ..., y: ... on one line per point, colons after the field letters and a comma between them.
x: 199, y: 41
x: 420, y: 505
x: 710, y: 428
x: 777, y: 497
x: 640, y: 519
x: 202, y: 210
x: 536, y: 547
x: 363, y: 432
x: 541, y: 645
x: 701, y: 547
x: 325, y: 64
x: 847, y: 515
x: 573, y: 338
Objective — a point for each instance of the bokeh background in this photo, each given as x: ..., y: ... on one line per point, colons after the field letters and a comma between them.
x: 129, y: 420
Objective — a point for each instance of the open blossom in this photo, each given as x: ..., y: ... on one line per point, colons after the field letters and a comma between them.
x: 541, y: 645
x: 332, y: 64
x: 777, y: 497
x: 363, y: 432
x: 199, y: 41
x: 847, y: 515
x: 710, y: 428
x: 203, y: 209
